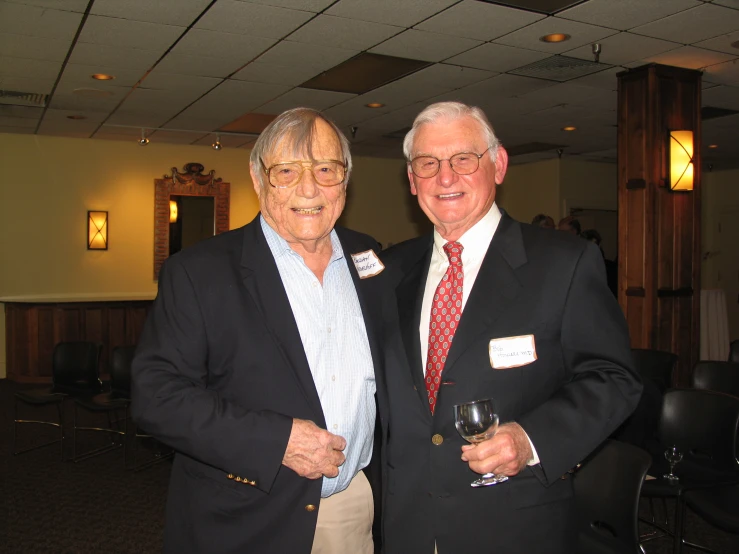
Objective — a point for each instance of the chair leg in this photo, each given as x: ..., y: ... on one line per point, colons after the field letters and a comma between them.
x: 679, y: 517
x: 60, y: 426
x: 101, y: 450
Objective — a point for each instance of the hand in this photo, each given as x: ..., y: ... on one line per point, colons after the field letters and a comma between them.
x: 313, y: 452
x: 506, y: 453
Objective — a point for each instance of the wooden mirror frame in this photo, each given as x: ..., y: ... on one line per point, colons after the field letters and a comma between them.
x: 191, y: 182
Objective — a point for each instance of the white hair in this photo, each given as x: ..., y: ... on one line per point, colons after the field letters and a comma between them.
x: 452, y: 111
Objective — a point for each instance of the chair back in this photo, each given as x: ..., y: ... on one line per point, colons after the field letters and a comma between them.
x: 655, y: 365
x: 703, y: 425
x: 120, y: 371
x: 717, y: 376
x: 734, y: 351
x: 607, y: 489
x: 75, y: 368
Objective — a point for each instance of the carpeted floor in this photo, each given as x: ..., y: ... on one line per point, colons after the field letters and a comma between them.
x: 97, y: 506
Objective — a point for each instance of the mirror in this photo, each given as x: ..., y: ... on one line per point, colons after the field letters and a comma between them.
x: 188, y: 207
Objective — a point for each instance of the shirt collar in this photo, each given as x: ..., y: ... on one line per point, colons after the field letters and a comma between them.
x: 476, y: 239
x: 280, y: 247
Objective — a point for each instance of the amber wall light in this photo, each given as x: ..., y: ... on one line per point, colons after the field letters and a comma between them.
x: 173, y: 211
x: 97, y: 230
x: 681, y: 160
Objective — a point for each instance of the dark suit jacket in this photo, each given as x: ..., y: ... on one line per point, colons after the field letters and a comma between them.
x: 219, y: 374
x: 581, y: 387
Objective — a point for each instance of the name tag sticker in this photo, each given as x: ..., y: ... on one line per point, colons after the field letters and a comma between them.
x: 510, y: 352
x: 367, y: 264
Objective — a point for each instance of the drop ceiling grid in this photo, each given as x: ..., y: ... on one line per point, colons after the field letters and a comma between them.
x: 392, y: 12
x: 693, y: 25
x: 340, y: 32
x: 625, y: 14
x: 252, y: 19
x: 423, y: 45
x: 171, y: 12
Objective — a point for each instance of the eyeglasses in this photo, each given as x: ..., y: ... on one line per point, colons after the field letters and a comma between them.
x: 463, y: 163
x: 327, y: 173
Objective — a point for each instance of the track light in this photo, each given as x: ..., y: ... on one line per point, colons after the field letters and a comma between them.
x: 217, y: 144
x: 143, y: 141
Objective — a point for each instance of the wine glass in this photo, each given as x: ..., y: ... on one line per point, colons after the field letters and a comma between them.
x: 477, y: 421
x: 673, y: 455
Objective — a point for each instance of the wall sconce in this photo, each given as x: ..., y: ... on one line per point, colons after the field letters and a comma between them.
x: 97, y: 230
x: 681, y: 160
x: 173, y: 211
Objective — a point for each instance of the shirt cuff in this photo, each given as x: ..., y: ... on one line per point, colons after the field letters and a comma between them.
x: 534, y: 460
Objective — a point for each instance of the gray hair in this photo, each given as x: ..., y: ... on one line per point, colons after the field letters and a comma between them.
x: 295, y: 128
x: 451, y: 111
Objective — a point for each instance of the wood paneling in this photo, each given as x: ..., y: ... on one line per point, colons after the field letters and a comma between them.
x: 659, y: 230
x: 33, y: 329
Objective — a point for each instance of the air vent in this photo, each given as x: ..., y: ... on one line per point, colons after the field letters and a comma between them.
x: 548, y: 7
x: 531, y: 147
x: 712, y: 112
x: 560, y: 69
x: 23, y: 98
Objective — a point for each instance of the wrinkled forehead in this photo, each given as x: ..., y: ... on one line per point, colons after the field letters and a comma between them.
x: 447, y: 135
x: 316, y: 141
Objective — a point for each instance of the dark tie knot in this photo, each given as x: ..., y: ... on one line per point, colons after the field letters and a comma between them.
x: 454, y: 252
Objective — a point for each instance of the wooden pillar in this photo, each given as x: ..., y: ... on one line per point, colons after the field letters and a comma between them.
x: 658, y: 229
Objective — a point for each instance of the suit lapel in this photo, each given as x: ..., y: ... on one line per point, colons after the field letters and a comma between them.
x: 263, y: 282
x: 410, y: 301
x: 495, y: 290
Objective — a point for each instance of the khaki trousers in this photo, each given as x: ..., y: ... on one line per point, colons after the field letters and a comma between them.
x: 345, y: 520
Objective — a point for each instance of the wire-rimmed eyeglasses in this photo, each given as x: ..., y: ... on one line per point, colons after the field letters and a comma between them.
x: 327, y: 173
x: 462, y: 163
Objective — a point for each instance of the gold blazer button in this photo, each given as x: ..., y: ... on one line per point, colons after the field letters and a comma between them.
x: 310, y: 508
x: 230, y: 475
x: 437, y: 439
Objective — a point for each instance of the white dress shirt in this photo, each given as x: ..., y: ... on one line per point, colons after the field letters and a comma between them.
x: 475, y: 242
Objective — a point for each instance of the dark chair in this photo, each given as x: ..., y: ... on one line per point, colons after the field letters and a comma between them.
x: 655, y: 365
x: 703, y: 425
x: 74, y: 373
x: 719, y: 506
x: 717, y: 376
x: 114, y: 404
x: 734, y: 351
x: 607, y: 489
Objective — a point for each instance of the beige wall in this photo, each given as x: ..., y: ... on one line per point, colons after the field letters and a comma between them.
x: 587, y: 185
x: 531, y: 189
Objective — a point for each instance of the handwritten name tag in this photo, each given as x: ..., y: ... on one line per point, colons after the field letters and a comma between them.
x: 510, y: 352
x: 367, y: 264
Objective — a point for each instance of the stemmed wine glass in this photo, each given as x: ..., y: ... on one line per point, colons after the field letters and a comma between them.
x: 477, y: 421
x: 673, y: 455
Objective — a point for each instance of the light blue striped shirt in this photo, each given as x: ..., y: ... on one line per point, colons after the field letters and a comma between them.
x: 334, y: 338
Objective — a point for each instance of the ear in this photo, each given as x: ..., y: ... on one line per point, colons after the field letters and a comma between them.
x: 255, y: 179
x: 411, y: 180
x: 501, y: 165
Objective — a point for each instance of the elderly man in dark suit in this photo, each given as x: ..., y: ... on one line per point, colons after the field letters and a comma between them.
x: 260, y: 363
x: 486, y: 307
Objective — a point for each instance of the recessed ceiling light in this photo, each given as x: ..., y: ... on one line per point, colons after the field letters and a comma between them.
x: 569, y: 128
x: 76, y: 117
x: 713, y: 146
x: 102, y: 77
x: 555, y: 37
x: 374, y: 105
x: 93, y: 92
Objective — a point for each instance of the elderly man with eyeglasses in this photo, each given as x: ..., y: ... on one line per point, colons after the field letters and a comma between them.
x: 489, y: 308
x: 260, y: 364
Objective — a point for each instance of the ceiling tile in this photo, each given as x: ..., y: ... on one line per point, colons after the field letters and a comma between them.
x: 726, y: 73
x: 185, y: 120
x: 497, y: 57
x: 28, y: 112
x: 10, y: 121
x: 605, y: 79
x: 581, y: 34
x: 722, y: 97
x: 66, y: 5
x: 260, y: 72
x: 309, y: 98
x: 217, y: 44
x: 624, y: 48
x: 235, y: 98
x: 67, y: 100
x: 478, y: 20
x: 391, y: 12
x: 722, y: 43
x: 690, y: 57
x: 34, y: 48
x: 287, y: 53
x: 565, y: 94
x: 422, y: 45
x: 129, y: 34
x: 161, y: 102
x: 137, y: 119
x: 80, y: 76
x: 26, y: 84
x: 190, y: 64
x: 728, y: 3
x: 171, y: 12
x: 693, y: 25
x: 109, y: 58
x: 160, y: 80
x: 350, y: 34
x: 307, y: 5
x: 38, y: 22
x: 625, y: 14
x: 34, y: 69
x: 244, y: 18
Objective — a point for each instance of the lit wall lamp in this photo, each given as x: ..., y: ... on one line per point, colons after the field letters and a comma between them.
x: 97, y: 230
x: 173, y: 211
x: 681, y: 160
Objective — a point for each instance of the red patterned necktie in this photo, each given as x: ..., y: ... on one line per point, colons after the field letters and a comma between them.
x: 446, y: 311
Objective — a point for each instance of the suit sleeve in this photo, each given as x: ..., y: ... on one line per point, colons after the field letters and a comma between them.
x: 602, y: 387
x: 171, y: 398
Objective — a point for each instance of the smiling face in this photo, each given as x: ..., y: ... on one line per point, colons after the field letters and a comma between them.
x: 454, y: 203
x: 304, y: 214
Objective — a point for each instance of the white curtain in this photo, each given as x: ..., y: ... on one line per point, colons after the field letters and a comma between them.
x: 714, y: 326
